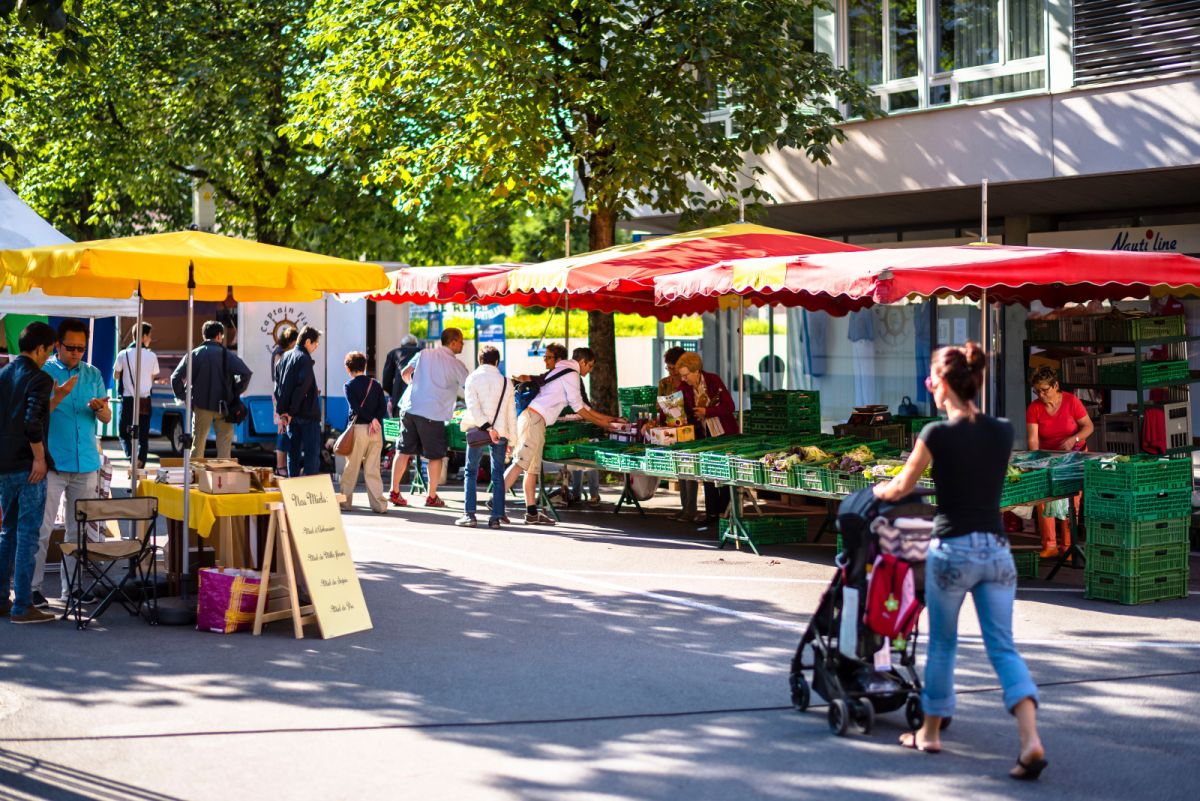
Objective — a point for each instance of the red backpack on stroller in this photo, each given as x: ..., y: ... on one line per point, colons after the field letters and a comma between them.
x: 892, y: 607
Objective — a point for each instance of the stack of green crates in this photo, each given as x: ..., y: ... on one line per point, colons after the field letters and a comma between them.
x: 637, y: 399
x: 1138, y: 514
x: 769, y: 529
x: 784, y: 412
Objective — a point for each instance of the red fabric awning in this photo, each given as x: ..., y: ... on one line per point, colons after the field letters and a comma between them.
x: 422, y: 285
x: 841, y: 282
x: 621, y: 278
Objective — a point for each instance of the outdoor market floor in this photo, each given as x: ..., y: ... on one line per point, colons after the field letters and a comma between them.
x: 612, y: 657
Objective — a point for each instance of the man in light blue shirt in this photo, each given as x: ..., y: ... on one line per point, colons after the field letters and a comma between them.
x: 79, y: 400
x: 435, y: 380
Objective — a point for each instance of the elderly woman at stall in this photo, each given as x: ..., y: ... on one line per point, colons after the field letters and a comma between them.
x: 709, y: 407
x: 1055, y: 421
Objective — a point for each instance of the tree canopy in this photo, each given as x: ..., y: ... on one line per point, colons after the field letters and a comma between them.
x: 512, y: 98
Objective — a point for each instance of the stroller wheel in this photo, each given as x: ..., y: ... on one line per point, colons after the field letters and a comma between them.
x: 839, y: 717
x: 801, y: 694
x: 913, y: 714
x: 864, y: 715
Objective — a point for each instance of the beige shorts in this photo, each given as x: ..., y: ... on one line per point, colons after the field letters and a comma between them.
x: 531, y: 441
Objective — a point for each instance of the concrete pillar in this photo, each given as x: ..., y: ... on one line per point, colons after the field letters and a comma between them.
x: 1059, y: 64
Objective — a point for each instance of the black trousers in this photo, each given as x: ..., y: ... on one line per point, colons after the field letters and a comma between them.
x: 128, y: 406
x: 716, y: 499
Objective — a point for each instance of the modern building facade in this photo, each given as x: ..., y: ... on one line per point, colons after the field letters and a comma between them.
x: 1083, y: 116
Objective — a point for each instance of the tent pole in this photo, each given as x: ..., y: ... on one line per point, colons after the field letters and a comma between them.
x: 135, y: 431
x: 91, y: 338
x: 188, y: 432
x: 741, y: 363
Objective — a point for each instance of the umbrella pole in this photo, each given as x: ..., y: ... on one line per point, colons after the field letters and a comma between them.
x: 188, y: 432
x: 135, y: 431
x: 566, y: 291
x: 984, y: 314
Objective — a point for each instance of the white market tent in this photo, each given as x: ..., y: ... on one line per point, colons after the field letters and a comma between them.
x: 22, y: 227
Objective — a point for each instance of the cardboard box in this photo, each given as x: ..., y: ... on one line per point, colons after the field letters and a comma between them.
x: 669, y: 435
x: 223, y: 480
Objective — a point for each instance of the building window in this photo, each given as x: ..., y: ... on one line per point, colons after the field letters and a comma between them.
x: 922, y: 53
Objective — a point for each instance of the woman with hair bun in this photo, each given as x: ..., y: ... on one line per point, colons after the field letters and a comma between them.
x: 970, y: 452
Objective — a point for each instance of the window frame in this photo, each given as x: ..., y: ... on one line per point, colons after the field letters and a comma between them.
x: 926, y: 80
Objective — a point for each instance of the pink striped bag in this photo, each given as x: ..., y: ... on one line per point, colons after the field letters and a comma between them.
x: 228, y: 598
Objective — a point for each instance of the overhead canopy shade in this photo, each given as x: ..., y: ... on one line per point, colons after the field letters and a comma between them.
x: 159, y: 264
x: 37, y: 302
x: 422, y: 285
x: 621, y: 278
x: 846, y: 281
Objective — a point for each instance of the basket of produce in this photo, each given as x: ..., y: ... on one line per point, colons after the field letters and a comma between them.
x: 799, y: 467
x: 748, y: 470
x: 1024, y: 486
x: 1126, y: 473
x: 847, y: 475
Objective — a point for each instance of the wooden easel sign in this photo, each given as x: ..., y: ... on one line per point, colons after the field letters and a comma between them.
x: 315, y: 521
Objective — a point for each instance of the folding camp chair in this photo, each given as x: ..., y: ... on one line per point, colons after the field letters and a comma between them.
x: 94, y: 561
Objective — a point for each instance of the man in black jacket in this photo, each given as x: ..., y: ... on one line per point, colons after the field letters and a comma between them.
x: 218, y: 377
x: 393, y: 371
x: 25, y: 401
x: 298, y: 404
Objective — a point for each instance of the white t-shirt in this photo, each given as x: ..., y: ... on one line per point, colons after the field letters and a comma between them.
x: 560, y: 393
x: 127, y: 361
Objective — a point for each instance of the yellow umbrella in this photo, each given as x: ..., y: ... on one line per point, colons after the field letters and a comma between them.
x: 183, y: 265
x: 161, y: 264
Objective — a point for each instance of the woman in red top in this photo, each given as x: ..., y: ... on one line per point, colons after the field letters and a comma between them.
x: 706, y: 398
x: 1055, y: 421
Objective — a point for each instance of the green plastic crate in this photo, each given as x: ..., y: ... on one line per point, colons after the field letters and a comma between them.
x: 748, y: 470
x: 1139, y: 473
x: 1149, y: 504
x: 1137, y: 329
x: 1135, y: 533
x: 1042, y: 330
x: 1124, y: 373
x: 391, y: 429
x: 609, y: 460
x: 812, y: 477
x: 633, y: 462
x: 1028, y: 563
x: 660, y: 463
x: 1065, y: 486
x: 1136, y: 561
x: 553, y: 452
x: 1031, y: 486
x: 638, y: 395
x: 589, y: 450
x: 771, y: 529
x: 841, y: 483
x: 715, y: 467
x: 456, y: 438
x: 1135, y: 590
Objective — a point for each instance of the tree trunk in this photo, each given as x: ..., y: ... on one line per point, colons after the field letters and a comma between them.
x: 602, y: 233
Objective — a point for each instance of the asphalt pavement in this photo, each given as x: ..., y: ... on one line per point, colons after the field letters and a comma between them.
x: 612, y: 657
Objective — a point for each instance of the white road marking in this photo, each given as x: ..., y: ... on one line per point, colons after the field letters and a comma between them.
x: 750, y: 616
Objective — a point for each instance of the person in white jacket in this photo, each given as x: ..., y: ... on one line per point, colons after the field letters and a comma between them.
x: 491, y: 407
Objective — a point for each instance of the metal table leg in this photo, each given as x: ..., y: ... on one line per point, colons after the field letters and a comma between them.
x: 627, y: 496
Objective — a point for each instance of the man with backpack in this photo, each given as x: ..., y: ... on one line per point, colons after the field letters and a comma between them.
x: 548, y: 396
x: 218, y: 380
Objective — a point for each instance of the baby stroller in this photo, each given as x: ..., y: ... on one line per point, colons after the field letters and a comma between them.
x: 863, y: 637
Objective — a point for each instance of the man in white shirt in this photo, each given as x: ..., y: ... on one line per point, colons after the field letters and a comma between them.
x: 491, y: 408
x: 124, y: 371
x: 435, y: 380
x: 560, y: 389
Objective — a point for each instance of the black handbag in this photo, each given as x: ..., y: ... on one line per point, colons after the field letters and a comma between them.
x: 235, y: 410
x: 476, y: 435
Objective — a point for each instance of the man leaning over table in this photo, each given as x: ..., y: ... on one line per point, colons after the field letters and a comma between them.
x: 560, y: 388
x: 80, y: 399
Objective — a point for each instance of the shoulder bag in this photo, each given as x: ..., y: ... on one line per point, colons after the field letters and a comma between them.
x: 479, y: 435
x: 344, y: 444
x: 235, y: 410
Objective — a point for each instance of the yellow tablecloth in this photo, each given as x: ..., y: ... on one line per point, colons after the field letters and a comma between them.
x: 206, y: 508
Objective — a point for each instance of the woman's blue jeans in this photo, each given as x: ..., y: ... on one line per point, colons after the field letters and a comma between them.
x: 471, y: 488
x: 982, y: 565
